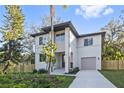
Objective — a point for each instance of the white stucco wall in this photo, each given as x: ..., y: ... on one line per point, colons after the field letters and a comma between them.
x: 90, y: 51
x: 38, y: 64
x: 70, y: 47
x: 73, y: 49
x: 67, y: 36
x: 74, y: 45
x: 38, y: 48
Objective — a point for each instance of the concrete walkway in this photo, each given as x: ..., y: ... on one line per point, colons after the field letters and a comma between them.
x: 90, y: 79
x: 61, y: 72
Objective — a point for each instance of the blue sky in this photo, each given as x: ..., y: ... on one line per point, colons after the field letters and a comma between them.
x: 86, y: 19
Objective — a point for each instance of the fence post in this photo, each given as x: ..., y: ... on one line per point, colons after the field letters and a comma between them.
x: 118, y: 64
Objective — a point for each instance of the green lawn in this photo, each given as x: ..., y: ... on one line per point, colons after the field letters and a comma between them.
x: 116, y: 77
x: 30, y: 80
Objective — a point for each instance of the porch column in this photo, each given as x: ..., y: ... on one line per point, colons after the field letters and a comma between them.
x: 67, y: 39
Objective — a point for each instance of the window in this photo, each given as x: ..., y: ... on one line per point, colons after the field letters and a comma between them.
x: 40, y: 40
x: 42, y: 57
x: 44, y: 40
x: 71, y: 64
x: 88, y: 42
x: 60, y: 37
x: 63, y: 37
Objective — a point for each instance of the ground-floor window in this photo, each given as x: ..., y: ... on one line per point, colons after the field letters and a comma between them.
x: 71, y: 63
x: 42, y: 57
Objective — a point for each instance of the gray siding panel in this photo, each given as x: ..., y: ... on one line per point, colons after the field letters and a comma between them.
x: 88, y: 63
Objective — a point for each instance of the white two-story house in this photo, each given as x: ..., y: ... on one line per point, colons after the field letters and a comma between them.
x: 73, y: 50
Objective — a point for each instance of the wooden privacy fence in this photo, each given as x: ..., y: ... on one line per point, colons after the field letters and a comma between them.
x: 113, y: 65
x: 22, y: 67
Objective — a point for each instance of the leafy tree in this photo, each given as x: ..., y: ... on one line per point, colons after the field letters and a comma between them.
x: 49, y: 51
x: 27, y: 42
x: 114, y: 39
x: 12, y: 31
x: 28, y: 52
x: 13, y: 23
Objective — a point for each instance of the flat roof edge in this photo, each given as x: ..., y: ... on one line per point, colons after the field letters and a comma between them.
x: 91, y: 34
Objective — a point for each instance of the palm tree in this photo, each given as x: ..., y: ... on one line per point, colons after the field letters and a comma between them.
x: 52, y: 13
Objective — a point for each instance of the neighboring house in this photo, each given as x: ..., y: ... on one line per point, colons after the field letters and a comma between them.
x: 73, y: 50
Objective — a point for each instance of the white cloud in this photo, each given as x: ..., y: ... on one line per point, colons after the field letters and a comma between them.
x: 108, y: 11
x: 78, y: 12
x: 90, y: 11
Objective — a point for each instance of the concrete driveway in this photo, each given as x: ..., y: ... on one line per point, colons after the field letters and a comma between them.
x: 90, y: 79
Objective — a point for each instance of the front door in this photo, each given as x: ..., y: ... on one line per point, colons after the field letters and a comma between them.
x: 63, y: 61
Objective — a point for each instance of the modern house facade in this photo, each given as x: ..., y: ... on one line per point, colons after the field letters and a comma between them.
x: 73, y: 50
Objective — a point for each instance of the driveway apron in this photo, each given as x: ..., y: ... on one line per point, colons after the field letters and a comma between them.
x: 90, y: 79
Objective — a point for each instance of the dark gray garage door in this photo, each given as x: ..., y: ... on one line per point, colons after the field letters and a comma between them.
x: 88, y: 63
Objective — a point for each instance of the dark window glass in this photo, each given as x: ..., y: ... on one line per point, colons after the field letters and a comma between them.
x: 88, y: 42
x: 63, y: 37
x: 91, y: 41
x: 42, y: 57
x: 85, y: 42
x: 60, y: 37
x: 40, y: 40
x: 71, y: 65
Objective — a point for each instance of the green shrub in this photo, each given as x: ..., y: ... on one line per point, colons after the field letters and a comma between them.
x: 41, y: 83
x: 34, y: 71
x: 19, y: 86
x: 5, y: 85
x: 1, y: 72
x: 40, y: 71
x: 60, y: 78
x: 76, y: 69
x: 73, y: 70
x: 30, y: 80
x: 13, y: 85
x: 5, y: 80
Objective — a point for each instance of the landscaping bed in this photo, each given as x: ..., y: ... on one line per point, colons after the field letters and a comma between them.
x: 115, y: 76
x: 73, y: 70
x: 29, y: 80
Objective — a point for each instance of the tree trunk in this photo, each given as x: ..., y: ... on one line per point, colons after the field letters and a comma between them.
x: 118, y: 64
x: 49, y: 66
x: 8, y: 57
x: 52, y: 10
x: 5, y: 68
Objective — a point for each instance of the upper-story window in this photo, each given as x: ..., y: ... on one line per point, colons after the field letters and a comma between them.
x: 40, y: 40
x: 60, y: 37
x: 88, y: 42
x: 43, y: 40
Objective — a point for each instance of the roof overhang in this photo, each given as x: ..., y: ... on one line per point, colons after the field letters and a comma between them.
x: 92, y: 34
x: 57, y: 27
x: 62, y: 26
